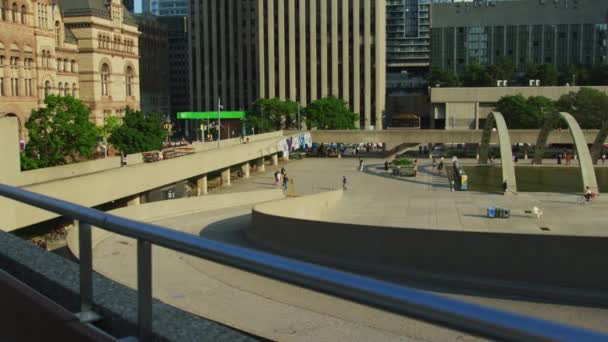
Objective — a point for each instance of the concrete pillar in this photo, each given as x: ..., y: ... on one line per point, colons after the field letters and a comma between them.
x: 323, y: 47
x: 226, y: 177
x: 261, y: 47
x: 367, y: 62
x: 291, y: 19
x: 135, y: 200
x: 476, y: 115
x: 9, y: 150
x: 335, y: 66
x: 281, y: 45
x: 380, y: 60
x: 270, y: 41
x: 313, y: 50
x: 345, y: 53
x: 261, y: 165
x: 275, y: 159
x: 246, y: 169
x: 303, y: 84
x: 356, y: 62
x: 201, y: 186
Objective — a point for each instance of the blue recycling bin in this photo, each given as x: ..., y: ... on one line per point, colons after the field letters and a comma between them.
x: 491, y: 212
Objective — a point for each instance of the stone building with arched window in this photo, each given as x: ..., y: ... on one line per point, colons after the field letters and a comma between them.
x: 46, y: 43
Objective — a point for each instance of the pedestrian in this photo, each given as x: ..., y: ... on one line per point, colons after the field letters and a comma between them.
x: 434, y: 164
x: 386, y: 165
x: 123, y: 160
x: 276, y: 178
x: 559, y: 159
x: 344, y: 182
x: 504, y: 187
x: 285, y: 181
x: 603, y: 158
x: 568, y: 158
x: 360, y: 165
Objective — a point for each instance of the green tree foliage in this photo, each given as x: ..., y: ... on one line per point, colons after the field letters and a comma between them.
x: 110, y: 124
x: 59, y: 133
x: 272, y: 114
x: 139, y: 132
x: 330, y: 113
x: 524, y: 113
x: 444, y: 78
x: 546, y: 73
x: 475, y: 75
x: 503, y: 69
x: 588, y: 106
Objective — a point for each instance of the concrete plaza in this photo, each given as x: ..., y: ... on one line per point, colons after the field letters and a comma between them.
x: 279, y: 311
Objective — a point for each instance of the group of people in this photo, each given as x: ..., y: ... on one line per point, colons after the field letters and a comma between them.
x: 281, y: 178
x: 439, y: 166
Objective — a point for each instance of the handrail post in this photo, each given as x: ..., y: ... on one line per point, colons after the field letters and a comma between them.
x: 144, y: 290
x: 86, y: 313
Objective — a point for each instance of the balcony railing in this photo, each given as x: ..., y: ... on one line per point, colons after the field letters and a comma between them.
x: 398, y: 299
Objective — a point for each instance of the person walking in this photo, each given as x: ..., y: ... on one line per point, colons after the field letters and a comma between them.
x: 386, y: 165
x: 603, y: 158
x: 360, y: 165
x: 344, y: 181
x: 123, y: 160
x: 276, y: 177
x: 285, y: 181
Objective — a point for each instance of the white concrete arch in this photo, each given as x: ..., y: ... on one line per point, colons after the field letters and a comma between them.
x: 506, y: 155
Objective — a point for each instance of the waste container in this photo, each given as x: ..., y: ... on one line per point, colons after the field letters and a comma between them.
x: 491, y: 212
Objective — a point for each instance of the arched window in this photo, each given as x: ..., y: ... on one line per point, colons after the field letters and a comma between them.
x: 105, y: 77
x: 14, y: 12
x: 65, y: 65
x: 60, y: 88
x: 129, y: 81
x: 4, y: 9
x: 23, y: 13
x: 73, y: 66
x: 47, y: 88
x: 58, y: 32
x: 74, y: 90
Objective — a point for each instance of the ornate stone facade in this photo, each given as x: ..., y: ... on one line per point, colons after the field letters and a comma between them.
x: 80, y: 48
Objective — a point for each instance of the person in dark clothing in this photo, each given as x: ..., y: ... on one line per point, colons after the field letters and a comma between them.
x: 386, y: 165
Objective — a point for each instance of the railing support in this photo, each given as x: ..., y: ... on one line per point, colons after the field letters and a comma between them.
x: 144, y: 290
x: 86, y: 314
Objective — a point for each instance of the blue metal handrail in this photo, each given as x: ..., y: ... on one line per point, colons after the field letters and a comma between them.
x: 402, y: 300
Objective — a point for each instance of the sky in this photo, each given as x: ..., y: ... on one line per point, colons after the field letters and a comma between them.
x: 138, y: 6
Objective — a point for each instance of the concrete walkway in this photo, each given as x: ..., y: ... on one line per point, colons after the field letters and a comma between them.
x: 279, y: 311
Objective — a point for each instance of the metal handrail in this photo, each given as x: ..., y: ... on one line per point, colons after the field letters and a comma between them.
x: 398, y: 299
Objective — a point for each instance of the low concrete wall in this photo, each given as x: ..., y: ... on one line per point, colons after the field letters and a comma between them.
x: 165, y: 209
x: 48, y: 174
x: 557, y: 261
x: 102, y: 187
x: 396, y: 137
x: 79, y: 169
x: 311, y: 207
x: 493, y: 94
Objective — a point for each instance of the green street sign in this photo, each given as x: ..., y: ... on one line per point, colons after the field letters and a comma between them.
x: 210, y: 115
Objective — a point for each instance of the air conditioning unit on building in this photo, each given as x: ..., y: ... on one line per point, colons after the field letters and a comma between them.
x: 505, y: 83
x: 499, y: 83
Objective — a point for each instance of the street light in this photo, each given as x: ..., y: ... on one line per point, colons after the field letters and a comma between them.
x: 219, y: 121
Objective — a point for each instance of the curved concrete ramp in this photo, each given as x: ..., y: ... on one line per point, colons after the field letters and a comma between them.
x: 506, y: 155
x: 584, y: 156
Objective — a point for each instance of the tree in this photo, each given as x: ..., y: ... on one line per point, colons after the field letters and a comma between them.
x: 503, y: 69
x: 110, y: 124
x: 59, y: 133
x: 273, y: 114
x: 442, y: 77
x: 475, y: 75
x: 330, y: 113
x: 546, y: 73
x: 588, y: 106
x: 599, y: 75
x: 139, y: 132
x: 522, y: 113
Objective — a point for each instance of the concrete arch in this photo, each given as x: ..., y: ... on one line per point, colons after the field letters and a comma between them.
x: 504, y: 140
x: 582, y: 150
x: 598, y: 143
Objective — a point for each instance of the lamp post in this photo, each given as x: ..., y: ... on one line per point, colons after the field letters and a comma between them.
x: 219, y: 122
